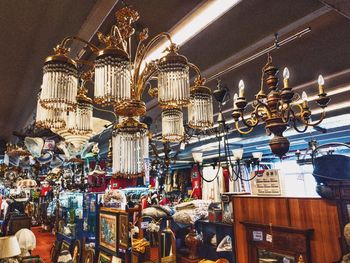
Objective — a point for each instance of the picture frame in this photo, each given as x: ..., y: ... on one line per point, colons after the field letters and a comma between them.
x: 89, y: 257
x: 76, y: 252
x: 108, y: 232
x: 55, y: 250
x: 104, y: 258
x: 123, y: 230
x: 64, y: 246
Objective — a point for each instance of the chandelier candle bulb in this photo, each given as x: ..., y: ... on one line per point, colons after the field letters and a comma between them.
x: 305, y: 99
x: 241, y: 88
x: 285, y: 78
x: 235, y: 97
x: 321, y: 85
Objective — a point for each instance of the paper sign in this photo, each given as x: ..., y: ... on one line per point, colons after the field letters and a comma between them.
x: 144, y: 225
x: 269, y: 238
x: 258, y: 236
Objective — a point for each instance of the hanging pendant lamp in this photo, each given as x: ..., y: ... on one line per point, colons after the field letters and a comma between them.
x: 60, y: 82
x: 130, y: 148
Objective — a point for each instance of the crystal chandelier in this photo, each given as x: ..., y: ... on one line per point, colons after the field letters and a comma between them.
x: 279, y: 109
x: 120, y: 79
x: 80, y: 120
x: 130, y: 148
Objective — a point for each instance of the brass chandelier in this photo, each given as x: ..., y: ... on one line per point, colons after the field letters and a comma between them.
x: 119, y: 81
x: 278, y: 109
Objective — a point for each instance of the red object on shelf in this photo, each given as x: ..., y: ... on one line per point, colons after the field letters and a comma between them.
x: 196, y: 183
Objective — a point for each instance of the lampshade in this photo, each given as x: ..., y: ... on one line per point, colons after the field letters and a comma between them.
x: 238, y: 153
x: 60, y: 82
x: 197, y: 157
x: 80, y: 120
x: 172, y: 125
x: 27, y: 183
x: 34, y: 145
x: 173, y: 80
x: 200, y: 109
x: 26, y: 239
x: 9, y: 247
x: 112, y: 76
x: 257, y: 155
x: 130, y: 148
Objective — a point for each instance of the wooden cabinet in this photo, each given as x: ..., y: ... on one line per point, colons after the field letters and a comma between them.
x: 268, y: 243
x: 300, y: 213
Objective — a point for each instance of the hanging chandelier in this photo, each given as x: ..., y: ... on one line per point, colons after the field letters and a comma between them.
x: 278, y: 110
x: 80, y: 120
x: 119, y: 81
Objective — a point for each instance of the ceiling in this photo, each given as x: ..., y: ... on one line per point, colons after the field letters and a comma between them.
x: 29, y: 32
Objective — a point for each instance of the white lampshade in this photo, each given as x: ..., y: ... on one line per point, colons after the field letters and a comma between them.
x: 9, y: 247
x: 257, y: 155
x: 197, y: 157
x: 26, y: 240
x: 238, y: 153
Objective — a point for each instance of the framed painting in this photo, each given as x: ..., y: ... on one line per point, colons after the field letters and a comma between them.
x: 104, y: 258
x: 123, y: 230
x: 108, y: 231
x: 65, y: 246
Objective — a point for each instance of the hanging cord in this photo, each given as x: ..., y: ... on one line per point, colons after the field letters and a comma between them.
x: 219, y: 166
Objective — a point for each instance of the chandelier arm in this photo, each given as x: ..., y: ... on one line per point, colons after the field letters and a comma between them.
x: 114, y: 30
x: 295, y: 119
x: 264, y: 106
x: 316, y: 123
x: 241, y: 131
x: 229, y: 163
x: 254, y: 119
x: 306, y: 122
x: 143, y: 79
x: 286, y: 114
x: 140, y: 56
x: 197, y: 70
x: 65, y: 41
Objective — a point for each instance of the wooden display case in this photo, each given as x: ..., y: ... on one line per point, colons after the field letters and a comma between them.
x: 267, y: 243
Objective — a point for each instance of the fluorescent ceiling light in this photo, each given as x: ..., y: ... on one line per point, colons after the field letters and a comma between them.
x: 194, y: 23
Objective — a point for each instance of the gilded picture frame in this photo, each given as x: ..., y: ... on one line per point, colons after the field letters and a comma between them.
x: 123, y: 230
x: 108, y: 232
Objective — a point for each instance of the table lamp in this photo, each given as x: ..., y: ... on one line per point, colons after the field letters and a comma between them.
x: 9, y: 248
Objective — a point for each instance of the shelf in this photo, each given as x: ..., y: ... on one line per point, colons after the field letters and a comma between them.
x: 215, y: 223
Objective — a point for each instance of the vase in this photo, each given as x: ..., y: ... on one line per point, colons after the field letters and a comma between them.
x: 193, y: 240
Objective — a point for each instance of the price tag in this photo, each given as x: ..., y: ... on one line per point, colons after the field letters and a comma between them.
x: 144, y: 225
x: 258, y: 236
x: 269, y: 238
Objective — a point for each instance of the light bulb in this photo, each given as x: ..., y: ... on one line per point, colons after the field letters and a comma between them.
x: 304, y: 96
x: 235, y: 97
x: 241, y: 88
x: 285, y: 77
x: 320, y: 80
x: 320, y: 85
x: 286, y: 73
